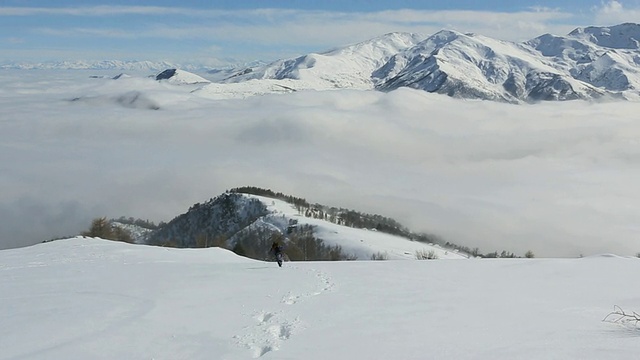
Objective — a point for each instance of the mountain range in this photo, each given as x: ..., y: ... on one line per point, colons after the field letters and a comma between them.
x: 588, y: 63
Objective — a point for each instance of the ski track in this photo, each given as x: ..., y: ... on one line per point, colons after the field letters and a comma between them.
x: 273, y: 328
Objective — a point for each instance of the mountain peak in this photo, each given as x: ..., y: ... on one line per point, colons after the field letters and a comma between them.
x: 623, y: 36
x: 177, y: 76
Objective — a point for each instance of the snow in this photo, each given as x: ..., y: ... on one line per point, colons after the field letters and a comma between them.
x: 363, y: 243
x: 622, y: 36
x: 87, y: 298
x: 180, y: 77
x: 461, y: 65
x: 249, y: 88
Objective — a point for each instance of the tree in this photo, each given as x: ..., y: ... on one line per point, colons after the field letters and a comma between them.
x: 529, y: 254
x: 102, y: 228
x: 239, y: 249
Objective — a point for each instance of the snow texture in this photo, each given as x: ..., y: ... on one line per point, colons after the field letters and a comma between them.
x: 85, y: 298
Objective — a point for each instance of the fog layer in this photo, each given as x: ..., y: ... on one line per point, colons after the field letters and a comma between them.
x: 559, y: 179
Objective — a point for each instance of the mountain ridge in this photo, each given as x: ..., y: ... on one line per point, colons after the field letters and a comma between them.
x: 247, y: 220
x: 588, y: 63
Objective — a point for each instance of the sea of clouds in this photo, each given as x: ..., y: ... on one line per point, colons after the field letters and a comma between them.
x: 558, y: 178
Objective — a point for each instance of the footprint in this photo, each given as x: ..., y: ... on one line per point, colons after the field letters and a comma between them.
x: 282, y: 332
x: 262, y: 350
x: 264, y: 317
x: 290, y: 299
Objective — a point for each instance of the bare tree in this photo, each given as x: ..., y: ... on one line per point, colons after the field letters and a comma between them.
x: 620, y: 316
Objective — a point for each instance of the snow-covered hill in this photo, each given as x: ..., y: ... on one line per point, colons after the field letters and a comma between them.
x: 361, y: 242
x: 253, y: 222
x: 180, y: 77
x: 86, y: 298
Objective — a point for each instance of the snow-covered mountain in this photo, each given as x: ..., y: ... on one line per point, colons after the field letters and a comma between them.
x: 345, y: 67
x: 348, y: 67
x: 180, y: 77
x: 588, y: 63
x: 475, y: 66
x: 623, y: 36
x: 223, y: 70
x: 249, y: 223
x: 98, y: 65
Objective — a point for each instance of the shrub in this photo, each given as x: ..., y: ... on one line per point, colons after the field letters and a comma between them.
x: 380, y: 256
x: 426, y: 255
x: 102, y: 228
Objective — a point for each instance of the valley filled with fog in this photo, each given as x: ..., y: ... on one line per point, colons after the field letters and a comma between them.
x: 557, y: 178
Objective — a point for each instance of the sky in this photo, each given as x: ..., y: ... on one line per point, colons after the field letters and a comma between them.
x: 217, y: 33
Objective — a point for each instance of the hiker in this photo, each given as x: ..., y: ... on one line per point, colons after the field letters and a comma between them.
x: 276, y: 250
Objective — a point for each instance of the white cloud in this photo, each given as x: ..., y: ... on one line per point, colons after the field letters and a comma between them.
x: 323, y: 28
x: 15, y: 40
x: 86, y: 32
x: 614, y: 12
x: 557, y: 178
x: 97, y: 11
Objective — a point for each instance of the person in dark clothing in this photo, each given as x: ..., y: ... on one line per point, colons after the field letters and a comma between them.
x: 276, y: 250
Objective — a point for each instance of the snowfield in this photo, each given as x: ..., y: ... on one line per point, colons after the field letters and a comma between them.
x: 87, y: 298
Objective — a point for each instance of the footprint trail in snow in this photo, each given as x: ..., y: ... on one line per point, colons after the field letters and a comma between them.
x: 273, y: 328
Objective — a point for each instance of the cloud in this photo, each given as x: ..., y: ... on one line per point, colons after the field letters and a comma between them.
x: 304, y: 27
x: 28, y: 221
x: 269, y: 34
x: 614, y: 12
x: 15, y: 40
x: 97, y: 11
x: 87, y: 32
x: 556, y: 178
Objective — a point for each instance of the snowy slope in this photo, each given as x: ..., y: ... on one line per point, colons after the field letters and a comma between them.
x: 346, y: 67
x: 95, y: 299
x: 594, y: 56
x: 138, y: 233
x: 588, y: 63
x: 362, y: 243
x: 179, y: 77
x: 137, y: 91
x: 253, y: 221
x: 623, y: 36
x: 249, y: 88
x: 475, y: 66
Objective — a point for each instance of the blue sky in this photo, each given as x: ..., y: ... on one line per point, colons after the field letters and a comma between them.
x: 218, y: 32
